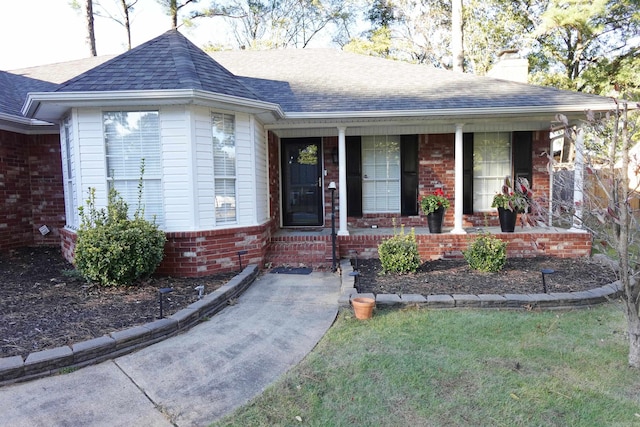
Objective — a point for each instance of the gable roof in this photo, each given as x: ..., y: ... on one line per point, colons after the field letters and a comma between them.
x: 306, y: 82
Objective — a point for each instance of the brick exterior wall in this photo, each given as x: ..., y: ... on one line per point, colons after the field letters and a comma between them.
x: 436, y: 155
x: 33, y: 194
x: 30, y: 189
x: 445, y: 245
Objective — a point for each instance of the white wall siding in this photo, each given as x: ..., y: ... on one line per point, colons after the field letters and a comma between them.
x: 261, y: 172
x: 245, y: 171
x: 205, y: 194
x: 91, y: 155
x: 177, y: 183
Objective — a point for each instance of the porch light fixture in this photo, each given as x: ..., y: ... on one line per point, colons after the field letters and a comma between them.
x: 332, y: 187
x: 334, y: 156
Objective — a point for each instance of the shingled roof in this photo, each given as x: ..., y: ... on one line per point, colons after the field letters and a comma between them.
x: 169, y: 61
x: 14, y: 89
x: 326, y: 80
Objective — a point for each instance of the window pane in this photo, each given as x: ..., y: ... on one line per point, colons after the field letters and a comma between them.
x: 381, y: 174
x: 130, y: 138
x: 224, y: 166
x: 225, y: 200
x: 491, y: 164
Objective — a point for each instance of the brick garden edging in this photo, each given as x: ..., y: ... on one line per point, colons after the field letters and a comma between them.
x: 48, y: 362
x: 582, y: 299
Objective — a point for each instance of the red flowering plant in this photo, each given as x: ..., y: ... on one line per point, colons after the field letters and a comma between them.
x: 514, y: 198
x: 432, y: 202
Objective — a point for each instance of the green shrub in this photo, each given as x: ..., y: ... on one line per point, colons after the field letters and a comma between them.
x: 399, y: 254
x: 112, y: 249
x: 486, y: 253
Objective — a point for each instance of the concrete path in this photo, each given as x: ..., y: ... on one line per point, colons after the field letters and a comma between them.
x: 196, y: 377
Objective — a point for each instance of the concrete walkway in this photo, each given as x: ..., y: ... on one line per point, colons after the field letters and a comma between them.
x: 194, y: 378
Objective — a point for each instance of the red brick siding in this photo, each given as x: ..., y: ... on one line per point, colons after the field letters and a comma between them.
x: 436, y: 246
x: 274, y: 180
x: 202, y: 253
x: 30, y: 189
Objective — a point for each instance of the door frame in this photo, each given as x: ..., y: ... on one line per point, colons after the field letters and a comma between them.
x: 286, y: 220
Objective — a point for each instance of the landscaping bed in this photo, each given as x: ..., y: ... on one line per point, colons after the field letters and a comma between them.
x: 519, y: 276
x: 42, y: 306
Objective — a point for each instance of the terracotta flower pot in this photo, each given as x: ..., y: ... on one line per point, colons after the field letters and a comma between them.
x: 363, y: 307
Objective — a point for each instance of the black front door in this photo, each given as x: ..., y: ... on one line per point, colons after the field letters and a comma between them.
x: 302, y: 182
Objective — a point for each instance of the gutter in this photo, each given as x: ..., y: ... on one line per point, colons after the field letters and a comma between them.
x: 35, y: 100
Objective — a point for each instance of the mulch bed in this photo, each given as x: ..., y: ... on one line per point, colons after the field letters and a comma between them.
x: 43, y: 306
x: 519, y: 276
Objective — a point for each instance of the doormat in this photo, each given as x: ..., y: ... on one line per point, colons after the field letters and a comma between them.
x: 291, y: 270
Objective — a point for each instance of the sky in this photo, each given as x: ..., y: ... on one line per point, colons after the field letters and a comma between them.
x: 37, y: 32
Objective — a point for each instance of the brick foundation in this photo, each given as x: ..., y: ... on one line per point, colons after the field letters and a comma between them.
x: 202, y: 253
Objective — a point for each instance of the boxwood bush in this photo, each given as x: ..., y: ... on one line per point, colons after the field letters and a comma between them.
x: 486, y: 253
x: 399, y: 254
x: 112, y: 249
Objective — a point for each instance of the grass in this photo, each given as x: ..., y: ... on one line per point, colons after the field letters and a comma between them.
x: 450, y: 368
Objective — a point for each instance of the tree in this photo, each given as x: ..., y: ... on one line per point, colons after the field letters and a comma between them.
x: 173, y: 7
x: 457, y: 37
x: 91, y: 35
x: 577, y: 37
x: 277, y: 24
x: 611, y: 199
x: 122, y: 17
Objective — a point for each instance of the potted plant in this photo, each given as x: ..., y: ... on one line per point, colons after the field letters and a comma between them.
x: 434, y: 206
x: 511, y: 201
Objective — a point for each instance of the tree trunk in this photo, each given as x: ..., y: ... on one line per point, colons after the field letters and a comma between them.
x: 127, y: 23
x: 173, y: 9
x: 457, y: 47
x: 91, y: 36
x: 633, y: 323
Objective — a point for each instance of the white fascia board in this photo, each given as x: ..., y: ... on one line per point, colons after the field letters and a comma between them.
x: 460, y: 113
x: 27, y: 126
x: 58, y: 102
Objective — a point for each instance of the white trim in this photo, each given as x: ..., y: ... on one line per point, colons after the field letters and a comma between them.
x: 342, y: 181
x: 459, y: 181
x: 459, y: 112
x: 58, y: 101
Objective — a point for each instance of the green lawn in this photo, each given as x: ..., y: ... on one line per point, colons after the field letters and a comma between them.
x: 459, y: 368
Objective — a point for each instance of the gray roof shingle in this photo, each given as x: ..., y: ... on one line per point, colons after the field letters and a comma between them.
x: 14, y: 89
x: 169, y: 61
x: 325, y: 80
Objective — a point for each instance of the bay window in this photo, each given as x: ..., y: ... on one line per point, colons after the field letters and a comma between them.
x: 224, y: 167
x: 132, y: 137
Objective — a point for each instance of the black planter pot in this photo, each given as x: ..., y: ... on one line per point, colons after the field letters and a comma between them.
x: 434, y: 220
x: 507, y: 220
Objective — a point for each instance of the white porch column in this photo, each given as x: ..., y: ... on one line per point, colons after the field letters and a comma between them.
x: 458, y: 191
x: 578, y: 181
x: 342, y: 181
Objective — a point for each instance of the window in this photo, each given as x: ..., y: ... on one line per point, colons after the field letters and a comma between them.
x: 68, y: 159
x: 224, y: 167
x: 130, y: 138
x: 491, y: 164
x: 381, y: 174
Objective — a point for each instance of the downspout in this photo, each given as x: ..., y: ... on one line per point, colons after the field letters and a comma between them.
x: 459, y: 182
x: 342, y: 181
